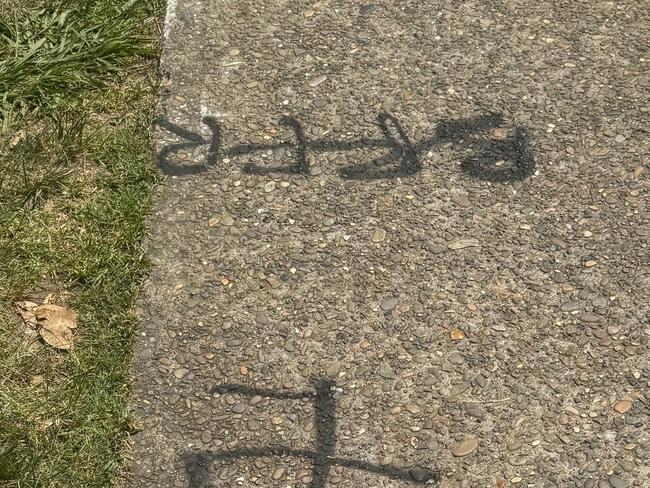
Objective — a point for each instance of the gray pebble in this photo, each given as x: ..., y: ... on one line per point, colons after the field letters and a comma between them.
x: 389, y: 304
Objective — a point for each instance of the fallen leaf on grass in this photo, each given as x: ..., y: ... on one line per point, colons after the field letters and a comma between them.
x: 26, y: 311
x: 56, y: 325
x: 16, y: 138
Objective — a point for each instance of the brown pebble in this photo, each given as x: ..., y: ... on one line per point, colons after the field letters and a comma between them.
x: 379, y: 235
x: 466, y: 447
x: 277, y: 473
x: 333, y: 369
x: 622, y: 406
x: 457, y: 334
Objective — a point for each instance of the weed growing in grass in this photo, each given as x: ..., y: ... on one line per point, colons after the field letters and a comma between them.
x: 50, y: 52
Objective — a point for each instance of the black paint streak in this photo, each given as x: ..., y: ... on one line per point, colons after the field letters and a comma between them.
x: 197, y: 463
x: 402, y: 160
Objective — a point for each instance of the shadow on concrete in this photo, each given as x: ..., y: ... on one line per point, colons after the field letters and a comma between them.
x: 197, y: 464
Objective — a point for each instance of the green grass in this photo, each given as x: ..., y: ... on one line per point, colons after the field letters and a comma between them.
x: 77, y: 90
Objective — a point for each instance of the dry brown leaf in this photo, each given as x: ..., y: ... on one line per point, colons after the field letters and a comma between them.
x: 26, y: 311
x: 56, y: 325
x: 16, y: 138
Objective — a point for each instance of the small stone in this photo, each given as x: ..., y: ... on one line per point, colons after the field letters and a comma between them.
x: 206, y: 437
x: 317, y: 81
x: 273, y: 282
x: 386, y: 373
x: 589, y: 317
x: 253, y: 425
x: 616, y: 481
x: 389, y: 304
x: 307, y: 13
x: 413, y: 409
x: 315, y: 171
x: 463, y: 243
x: 180, y: 373
x: 456, y: 358
x: 613, y: 329
x: 461, y: 200
x: 261, y: 318
x: 227, y: 220
x: 213, y: 221
x: 619, y: 138
x: 622, y: 406
x: 514, y: 445
x: 466, y: 447
x: 499, y: 327
x: 591, y: 263
x: 457, y: 334
x: 239, y: 407
x: 277, y: 473
x: 570, y: 306
x: 366, y: 9
x: 243, y: 370
x: 269, y: 187
x: 474, y: 410
x: 333, y: 369
x: 458, y: 389
x: 379, y: 235
x: 364, y: 344
x: 499, y: 134
x: 386, y: 460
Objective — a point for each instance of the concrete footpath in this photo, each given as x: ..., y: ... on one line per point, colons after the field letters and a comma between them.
x: 400, y: 244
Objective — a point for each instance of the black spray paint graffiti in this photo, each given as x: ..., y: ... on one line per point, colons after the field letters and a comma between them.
x: 492, y: 159
x: 198, y: 463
